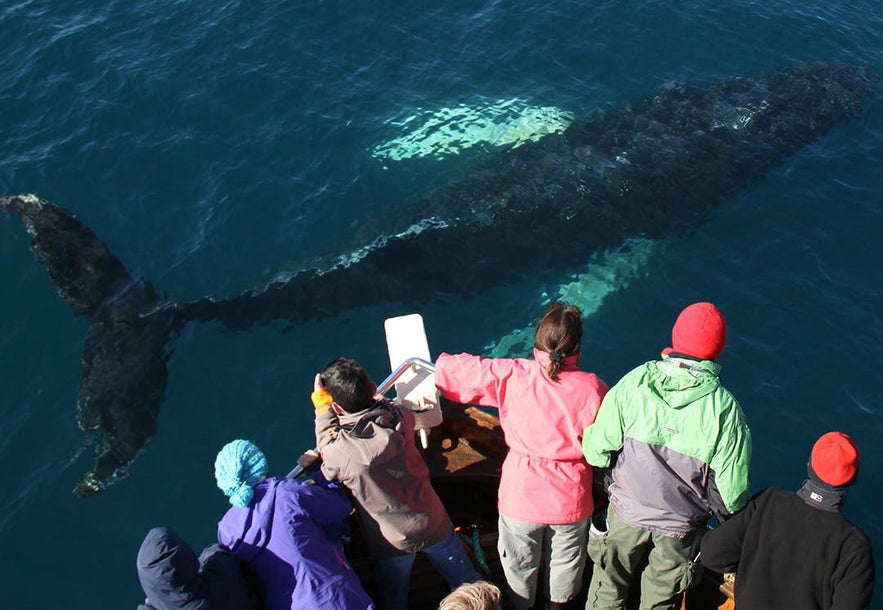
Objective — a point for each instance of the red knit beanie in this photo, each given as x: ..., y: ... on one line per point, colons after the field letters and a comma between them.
x: 700, y: 331
x: 834, y: 459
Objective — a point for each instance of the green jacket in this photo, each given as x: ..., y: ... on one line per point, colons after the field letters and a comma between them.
x: 678, y: 445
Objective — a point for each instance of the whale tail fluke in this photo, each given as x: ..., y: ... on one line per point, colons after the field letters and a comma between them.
x: 125, y: 374
x: 127, y: 345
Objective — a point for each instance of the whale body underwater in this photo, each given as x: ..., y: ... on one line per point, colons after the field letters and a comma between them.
x: 651, y: 167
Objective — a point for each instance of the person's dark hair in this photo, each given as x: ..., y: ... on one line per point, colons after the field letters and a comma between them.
x: 559, y: 333
x: 349, y: 384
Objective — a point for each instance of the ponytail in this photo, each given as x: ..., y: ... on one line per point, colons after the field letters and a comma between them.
x: 559, y: 333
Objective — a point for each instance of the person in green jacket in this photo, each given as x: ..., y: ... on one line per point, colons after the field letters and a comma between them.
x: 678, y: 450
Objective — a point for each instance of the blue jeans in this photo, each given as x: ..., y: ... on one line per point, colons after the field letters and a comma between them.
x: 394, y: 573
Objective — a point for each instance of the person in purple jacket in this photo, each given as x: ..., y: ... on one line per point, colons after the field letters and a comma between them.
x: 275, y: 528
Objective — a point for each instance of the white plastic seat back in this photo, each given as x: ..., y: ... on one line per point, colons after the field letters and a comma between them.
x: 406, y: 338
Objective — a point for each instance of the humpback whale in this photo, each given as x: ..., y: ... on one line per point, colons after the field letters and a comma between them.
x: 651, y: 167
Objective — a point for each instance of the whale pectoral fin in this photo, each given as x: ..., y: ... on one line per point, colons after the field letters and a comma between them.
x: 83, y: 269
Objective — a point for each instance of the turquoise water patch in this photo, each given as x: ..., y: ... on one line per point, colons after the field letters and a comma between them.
x: 451, y: 130
x: 605, y: 274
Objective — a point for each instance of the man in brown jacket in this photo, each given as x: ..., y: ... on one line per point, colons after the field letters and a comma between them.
x: 367, y: 443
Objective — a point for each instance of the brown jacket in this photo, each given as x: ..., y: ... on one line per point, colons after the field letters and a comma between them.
x: 373, y: 454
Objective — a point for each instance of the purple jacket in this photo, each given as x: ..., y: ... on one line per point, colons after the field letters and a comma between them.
x: 279, y: 537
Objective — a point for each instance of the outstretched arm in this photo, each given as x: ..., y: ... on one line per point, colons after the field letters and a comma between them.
x: 471, y: 380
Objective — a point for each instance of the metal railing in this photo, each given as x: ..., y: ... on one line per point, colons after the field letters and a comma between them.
x: 385, y: 386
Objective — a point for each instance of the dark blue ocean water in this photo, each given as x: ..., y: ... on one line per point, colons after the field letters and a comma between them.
x: 213, y: 145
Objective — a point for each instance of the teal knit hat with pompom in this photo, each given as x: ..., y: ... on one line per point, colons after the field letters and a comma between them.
x: 240, y: 465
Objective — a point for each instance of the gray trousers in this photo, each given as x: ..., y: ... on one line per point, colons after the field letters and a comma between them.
x: 618, y: 554
x: 522, y: 546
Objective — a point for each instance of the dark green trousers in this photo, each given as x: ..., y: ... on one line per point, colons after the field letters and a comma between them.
x: 623, y: 549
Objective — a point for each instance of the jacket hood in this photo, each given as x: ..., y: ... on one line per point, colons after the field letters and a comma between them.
x: 381, y: 419
x: 246, y: 531
x: 681, y: 381
x: 169, y: 572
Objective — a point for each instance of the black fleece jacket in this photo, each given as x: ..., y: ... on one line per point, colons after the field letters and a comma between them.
x: 789, y: 554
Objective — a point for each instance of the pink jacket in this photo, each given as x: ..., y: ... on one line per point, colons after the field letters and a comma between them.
x: 545, y: 477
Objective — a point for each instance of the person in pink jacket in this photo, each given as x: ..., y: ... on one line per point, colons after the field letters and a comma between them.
x: 545, y: 496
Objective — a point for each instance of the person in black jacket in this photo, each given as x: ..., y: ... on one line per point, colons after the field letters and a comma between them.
x: 796, y: 550
x: 174, y: 578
